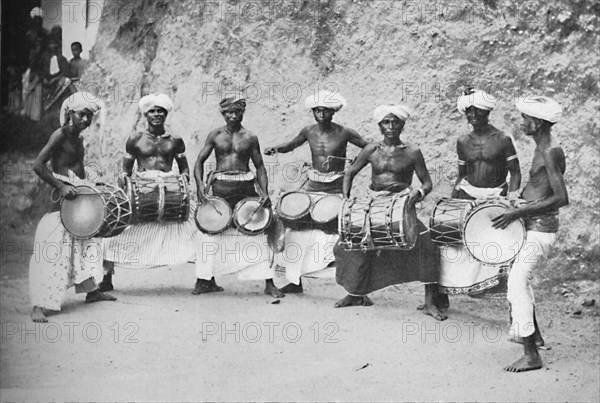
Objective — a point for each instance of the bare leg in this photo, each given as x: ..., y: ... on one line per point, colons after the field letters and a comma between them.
x: 530, y: 359
x: 537, y: 336
x: 106, y: 283
x: 97, y: 295
x: 37, y: 315
x: 431, y: 309
x: 271, y: 290
x: 292, y: 288
x: 206, y: 286
x: 353, y: 300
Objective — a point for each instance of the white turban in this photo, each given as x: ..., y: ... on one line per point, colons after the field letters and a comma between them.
x: 150, y: 101
x: 78, y: 102
x: 540, y: 107
x: 325, y: 99
x: 403, y: 112
x: 36, y: 12
x: 479, y: 99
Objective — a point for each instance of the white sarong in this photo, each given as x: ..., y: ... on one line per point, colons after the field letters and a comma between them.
x: 60, y: 261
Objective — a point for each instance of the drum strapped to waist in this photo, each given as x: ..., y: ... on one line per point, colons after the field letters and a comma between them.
x: 251, y: 217
x: 101, y: 211
x: 214, y: 215
x: 469, y: 223
x: 158, y: 198
x: 309, y: 210
x: 381, y: 222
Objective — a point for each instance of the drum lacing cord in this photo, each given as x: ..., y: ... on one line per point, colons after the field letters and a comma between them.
x: 161, y: 197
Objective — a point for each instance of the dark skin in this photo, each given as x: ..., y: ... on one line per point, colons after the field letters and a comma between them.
x: 547, y: 187
x: 152, y: 152
x: 325, y: 139
x: 64, y: 150
x: 485, y: 150
x: 234, y: 148
x: 76, y: 64
x: 392, y: 162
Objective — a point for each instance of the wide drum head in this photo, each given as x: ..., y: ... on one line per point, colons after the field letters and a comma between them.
x: 293, y: 205
x: 83, y: 216
x: 213, y: 216
x: 326, y: 209
x: 251, y: 217
x: 404, y: 223
x: 491, y: 245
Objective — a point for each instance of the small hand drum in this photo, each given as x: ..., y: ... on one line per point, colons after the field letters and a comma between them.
x: 213, y: 216
x: 324, y: 212
x: 293, y: 209
x: 102, y: 211
x: 251, y: 217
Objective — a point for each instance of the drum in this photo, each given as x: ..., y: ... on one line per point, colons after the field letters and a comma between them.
x: 159, y: 198
x: 102, y: 211
x: 293, y: 209
x: 383, y: 222
x: 251, y: 217
x: 324, y: 212
x: 213, y: 216
x: 491, y: 245
x: 447, y: 218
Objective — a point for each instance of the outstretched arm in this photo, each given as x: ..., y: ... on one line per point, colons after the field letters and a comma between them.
x: 288, y: 146
x: 359, y: 163
x: 199, y: 166
x: 357, y: 139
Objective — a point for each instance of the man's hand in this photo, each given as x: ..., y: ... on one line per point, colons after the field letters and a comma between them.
x: 503, y: 220
x: 202, y: 196
x: 270, y: 150
x: 265, y: 201
x: 68, y: 191
x: 413, y: 197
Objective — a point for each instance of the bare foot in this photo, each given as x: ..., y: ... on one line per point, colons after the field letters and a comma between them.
x: 434, y: 312
x: 96, y: 296
x: 206, y: 286
x: 351, y: 300
x: 37, y: 315
x: 539, y: 341
x: 527, y: 362
x: 292, y: 288
x: 273, y: 291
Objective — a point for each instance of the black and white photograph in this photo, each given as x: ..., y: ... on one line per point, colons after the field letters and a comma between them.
x: 300, y: 201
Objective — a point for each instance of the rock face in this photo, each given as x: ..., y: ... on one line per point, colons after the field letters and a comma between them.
x: 371, y: 52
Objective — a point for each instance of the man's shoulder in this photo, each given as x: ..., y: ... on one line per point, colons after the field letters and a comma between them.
x: 411, y: 148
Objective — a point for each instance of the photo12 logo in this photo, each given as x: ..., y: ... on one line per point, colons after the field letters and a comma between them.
x: 269, y: 332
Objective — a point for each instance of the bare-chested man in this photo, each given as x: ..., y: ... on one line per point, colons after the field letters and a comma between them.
x: 328, y: 142
x: 225, y: 253
x: 485, y: 157
x: 543, y: 195
x: 154, y: 150
x: 393, y: 164
x: 77, y: 260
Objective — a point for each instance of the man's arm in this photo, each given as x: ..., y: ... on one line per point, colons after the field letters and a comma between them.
x: 40, y: 166
x: 359, y: 163
x: 559, y: 197
x: 512, y: 162
x: 356, y: 139
x: 131, y: 152
x: 199, y: 166
x: 289, y: 146
x: 261, y: 172
x: 423, y: 175
x: 462, y: 167
x: 181, y: 159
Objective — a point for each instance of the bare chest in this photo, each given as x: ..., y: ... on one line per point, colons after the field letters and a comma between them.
x: 150, y: 146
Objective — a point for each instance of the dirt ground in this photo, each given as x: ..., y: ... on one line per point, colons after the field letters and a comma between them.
x: 160, y: 343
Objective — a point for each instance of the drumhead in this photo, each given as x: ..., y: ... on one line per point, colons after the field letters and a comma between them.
x: 250, y: 217
x: 492, y: 245
x: 404, y: 223
x: 83, y: 216
x: 213, y: 216
x: 326, y: 208
x: 294, y: 205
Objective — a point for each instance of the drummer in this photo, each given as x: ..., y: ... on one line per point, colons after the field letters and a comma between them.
x: 232, y: 251
x: 485, y: 158
x: 328, y: 142
x: 543, y: 195
x: 393, y: 164
x: 153, y: 150
x: 75, y: 261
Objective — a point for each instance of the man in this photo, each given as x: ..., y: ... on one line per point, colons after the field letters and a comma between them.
x: 76, y: 260
x: 36, y: 38
x: 77, y: 65
x: 221, y: 254
x: 543, y: 195
x: 152, y: 244
x: 328, y: 142
x: 393, y: 164
x: 56, y: 71
x: 485, y: 157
